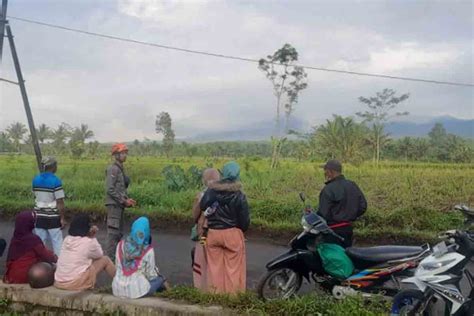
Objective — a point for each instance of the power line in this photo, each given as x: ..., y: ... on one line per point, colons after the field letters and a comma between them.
x: 128, y: 40
x: 9, y: 81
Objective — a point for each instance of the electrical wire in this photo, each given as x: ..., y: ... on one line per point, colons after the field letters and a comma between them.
x: 206, y: 53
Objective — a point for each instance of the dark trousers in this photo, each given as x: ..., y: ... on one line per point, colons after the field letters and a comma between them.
x: 345, y: 232
x: 114, y: 229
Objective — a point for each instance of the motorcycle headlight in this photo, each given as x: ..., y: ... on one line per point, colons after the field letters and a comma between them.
x: 306, y: 226
x: 435, y: 265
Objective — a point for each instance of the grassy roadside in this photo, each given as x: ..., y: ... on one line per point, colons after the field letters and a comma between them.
x: 310, y: 304
x: 249, y: 304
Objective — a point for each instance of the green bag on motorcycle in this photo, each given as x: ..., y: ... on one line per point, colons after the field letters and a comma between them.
x: 335, y: 261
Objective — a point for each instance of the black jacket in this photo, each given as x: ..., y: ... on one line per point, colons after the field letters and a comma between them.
x: 341, y: 200
x: 233, y: 209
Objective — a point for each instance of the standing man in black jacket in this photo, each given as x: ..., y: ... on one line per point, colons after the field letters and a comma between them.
x: 340, y: 203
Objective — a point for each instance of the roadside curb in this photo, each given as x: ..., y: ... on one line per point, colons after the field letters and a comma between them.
x: 22, y: 298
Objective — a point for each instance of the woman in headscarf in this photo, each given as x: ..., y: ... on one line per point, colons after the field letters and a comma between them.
x: 199, y: 258
x: 226, y: 209
x: 81, y: 258
x: 137, y: 274
x: 25, y: 249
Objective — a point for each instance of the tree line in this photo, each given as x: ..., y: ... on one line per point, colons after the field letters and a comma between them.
x: 339, y: 137
x: 62, y: 140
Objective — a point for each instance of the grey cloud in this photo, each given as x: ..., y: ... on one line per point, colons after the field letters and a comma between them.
x: 118, y: 88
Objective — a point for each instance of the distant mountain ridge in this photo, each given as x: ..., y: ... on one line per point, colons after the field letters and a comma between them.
x: 460, y: 127
x: 263, y: 130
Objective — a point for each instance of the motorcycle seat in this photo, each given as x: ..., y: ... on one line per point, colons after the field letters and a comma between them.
x: 380, y: 254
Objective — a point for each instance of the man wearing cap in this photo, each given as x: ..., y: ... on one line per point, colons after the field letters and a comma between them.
x: 340, y: 203
x: 49, y: 204
x: 116, y: 184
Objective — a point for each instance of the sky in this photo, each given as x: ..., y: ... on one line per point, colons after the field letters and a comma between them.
x: 118, y: 88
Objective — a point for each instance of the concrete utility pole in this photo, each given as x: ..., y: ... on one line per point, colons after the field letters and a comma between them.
x: 3, y: 20
x: 31, y: 124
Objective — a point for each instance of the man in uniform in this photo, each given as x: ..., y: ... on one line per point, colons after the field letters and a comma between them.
x: 116, y: 184
x: 340, y: 203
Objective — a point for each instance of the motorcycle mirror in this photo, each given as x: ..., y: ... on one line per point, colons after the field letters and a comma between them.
x: 302, y: 197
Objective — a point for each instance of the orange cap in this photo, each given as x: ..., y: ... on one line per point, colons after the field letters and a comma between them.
x: 118, y: 148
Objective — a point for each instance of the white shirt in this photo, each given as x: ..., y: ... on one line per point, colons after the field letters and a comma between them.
x: 135, y: 285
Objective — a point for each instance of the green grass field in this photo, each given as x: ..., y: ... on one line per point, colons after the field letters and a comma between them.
x: 407, y: 201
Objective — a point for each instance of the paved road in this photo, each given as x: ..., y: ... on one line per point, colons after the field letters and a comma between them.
x: 173, y: 255
x: 174, y: 260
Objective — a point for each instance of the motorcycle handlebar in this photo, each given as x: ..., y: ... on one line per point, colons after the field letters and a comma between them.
x: 332, y: 233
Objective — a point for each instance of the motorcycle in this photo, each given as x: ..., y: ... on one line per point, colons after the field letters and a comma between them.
x: 438, y: 276
x: 375, y: 267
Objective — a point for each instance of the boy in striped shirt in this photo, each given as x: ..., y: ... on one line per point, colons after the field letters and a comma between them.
x: 49, y: 204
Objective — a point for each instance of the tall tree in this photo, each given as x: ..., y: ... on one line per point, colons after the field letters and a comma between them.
x: 43, y: 132
x: 438, y: 134
x: 287, y: 80
x: 16, y: 131
x: 163, y: 125
x: 381, y: 110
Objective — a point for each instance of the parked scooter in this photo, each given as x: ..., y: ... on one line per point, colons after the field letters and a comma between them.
x: 438, y: 276
x: 376, y: 268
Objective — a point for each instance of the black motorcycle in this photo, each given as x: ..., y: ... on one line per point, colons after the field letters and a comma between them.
x: 377, y: 269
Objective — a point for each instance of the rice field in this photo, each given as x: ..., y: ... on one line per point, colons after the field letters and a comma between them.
x: 406, y: 200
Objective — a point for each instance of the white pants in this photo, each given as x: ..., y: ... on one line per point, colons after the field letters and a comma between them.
x: 54, y: 234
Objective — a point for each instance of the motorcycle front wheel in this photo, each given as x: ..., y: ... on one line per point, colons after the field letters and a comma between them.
x: 280, y: 283
x: 405, y: 302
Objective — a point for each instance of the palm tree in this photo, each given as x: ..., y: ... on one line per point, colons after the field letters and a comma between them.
x: 43, y: 132
x: 341, y: 138
x: 15, y: 132
x: 85, y: 132
x: 5, y: 144
x: 59, y: 136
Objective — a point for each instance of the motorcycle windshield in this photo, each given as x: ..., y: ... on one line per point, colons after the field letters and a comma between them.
x: 314, y: 222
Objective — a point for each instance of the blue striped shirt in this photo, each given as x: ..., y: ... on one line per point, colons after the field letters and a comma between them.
x: 47, y: 188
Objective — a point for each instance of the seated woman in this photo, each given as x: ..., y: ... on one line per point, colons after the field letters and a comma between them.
x: 137, y: 274
x: 81, y: 258
x: 25, y: 249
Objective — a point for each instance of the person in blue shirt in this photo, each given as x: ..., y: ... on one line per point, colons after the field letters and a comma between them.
x: 49, y: 204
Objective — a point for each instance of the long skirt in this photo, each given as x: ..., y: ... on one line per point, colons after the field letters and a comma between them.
x: 200, y: 267
x: 226, y: 261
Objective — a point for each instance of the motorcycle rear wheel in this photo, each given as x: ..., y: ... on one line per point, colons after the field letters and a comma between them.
x: 280, y: 283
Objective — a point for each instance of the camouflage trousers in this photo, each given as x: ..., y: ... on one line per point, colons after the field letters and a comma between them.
x: 114, y: 229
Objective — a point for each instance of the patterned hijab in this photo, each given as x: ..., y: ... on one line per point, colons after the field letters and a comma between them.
x: 135, y: 246
x: 23, y: 239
